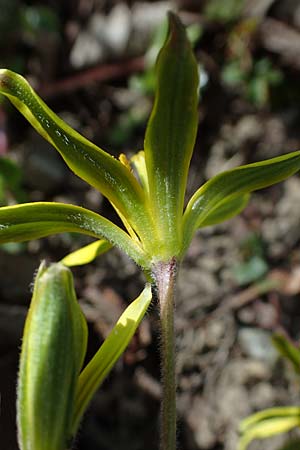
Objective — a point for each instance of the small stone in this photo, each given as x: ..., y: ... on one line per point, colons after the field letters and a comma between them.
x: 201, y: 422
x: 249, y: 128
x: 256, y: 343
x: 146, y: 17
x: 214, y: 333
x: 118, y: 29
x: 262, y: 396
x: 198, y: 286
x: 86, y: 51
x: 244, y: 371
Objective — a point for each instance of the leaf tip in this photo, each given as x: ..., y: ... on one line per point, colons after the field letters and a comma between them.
x: 176, y: 34
x: 4, y: 78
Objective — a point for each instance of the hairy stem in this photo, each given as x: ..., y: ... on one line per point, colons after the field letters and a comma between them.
x: 165, y: 278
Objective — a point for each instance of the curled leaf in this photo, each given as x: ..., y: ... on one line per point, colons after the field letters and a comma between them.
x: 35, y: 220
x: 268, y: 423
x: 232, y: 184
x: 92, y: 164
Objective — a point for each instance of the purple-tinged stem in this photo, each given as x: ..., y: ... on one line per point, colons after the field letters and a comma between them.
x: 165, y: 274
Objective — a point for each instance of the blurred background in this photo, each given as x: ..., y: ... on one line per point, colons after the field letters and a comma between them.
x: 92, y: 61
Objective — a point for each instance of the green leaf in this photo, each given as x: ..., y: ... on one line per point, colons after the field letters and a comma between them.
x: 114, y: 345
x: 88, y: 161
x: 270, y: 413
x: 288, y: 350
x: 268, y: 423
x: 171, y: 134
x: 226, y: 11
x: 35, y: 220
x: 249, y: 271
x: 53, y: 350
x: 86, y: 254
x: 235, y: 182
x: 228, y: 208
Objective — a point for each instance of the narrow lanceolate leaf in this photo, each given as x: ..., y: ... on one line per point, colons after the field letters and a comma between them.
x: 230, y: 207
x: 88, y: 161
x: 114, y: 345
x: 171, y: 133
x: 267, y: 414
x: 53, y: 350
x: 35, y: 220
x: 86, y: 254
x: 288, y: 350
x: 233, y: 183
x: 268, y: 423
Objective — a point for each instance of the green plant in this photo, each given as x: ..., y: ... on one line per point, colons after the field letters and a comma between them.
x: 22, y: 24
x: 253, y: 265
x: 147, y: 192
x: 254, y: 78
x: 227, y: 11
x: 10, y: 182
x: 273, y: 421
x: 54, y: 388
x: 255, y: 82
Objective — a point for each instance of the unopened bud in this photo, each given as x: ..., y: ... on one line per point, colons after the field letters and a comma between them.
x: 53, y: 349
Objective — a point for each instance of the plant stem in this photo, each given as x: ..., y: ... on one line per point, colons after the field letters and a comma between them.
x: 165, y: 278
